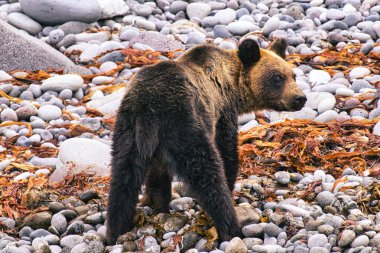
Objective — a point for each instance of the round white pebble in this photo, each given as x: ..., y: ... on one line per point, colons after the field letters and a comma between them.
x: 49, y: 112
x: 319, y: 76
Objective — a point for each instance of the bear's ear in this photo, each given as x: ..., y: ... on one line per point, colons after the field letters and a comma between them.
x: 249, y: 52
x: 279, y: 46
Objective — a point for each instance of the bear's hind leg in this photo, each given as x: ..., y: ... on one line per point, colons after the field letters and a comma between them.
x: 157, y: 193
x: 198, y: 163
x: 125, y: 186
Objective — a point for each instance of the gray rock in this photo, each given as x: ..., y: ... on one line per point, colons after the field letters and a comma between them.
x: 268, y: 249
x: 8, y: 115
x: 87, y: 154
x: 20, y: 51
x: 221, y: 31
x: 325, y: 198
x: 70, y: 241
x: 38, y: 220
x: 56, y: 36
x: 359, y: 112
x: 24, y: 22
x: 74, y: 27
x: 327, y: 116
x: 295, y: 11
x: 182, y: 204
x: 55, y: 12
x: 49, y: 112
x: 142, y: 10
x: 282, y: 177
x: 94, y: 219
x: 113, y: 8
x: 157, y: 41
x: 61, y: 82
x: 253, y: 230
x: 346, y: 237
x: 198, y: 10
x: 59, y: 222
x: 353, y: 19
x: 271, y: 25
x: 359, y: 84
x: 335, y: 14
x: 246, y: 214
x: 360, y: 241
x: 236, y: 245
x: 326, y: 229
x: 25, y: 232
x: 7, y: 222
x: 317, y: 240
x: 226, y: 16
x: 272, y: 230
x: 241, y: 27
x: 178, y: 6
x: 76, y: 227
x: 195, y: 38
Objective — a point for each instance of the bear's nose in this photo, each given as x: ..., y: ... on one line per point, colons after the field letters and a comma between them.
x: 299, y: 101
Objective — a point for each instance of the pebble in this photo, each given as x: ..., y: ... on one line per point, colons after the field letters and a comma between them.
x: 4, y: 76
x: 360, y: 241
x: 226, y: 16
x: 61, y: 82
x: 319, y: 76
x: 24, y: 22
x: 198, y: 10
x: 282, y: 177
x: 8, y: 115
x: 317, y: 240
x: 56, y: 36
x: 326, y: 105
x: 325, y: 198
x: 359, y: 72
x: 59, y: 222
x: 182, y: 204
x: 49, y: 112
x: 70, y: 241
x: 327, y: 116
x: 236, y: 245
x: 346, y: 237
x: 376, y: 129
x: 271, y: 25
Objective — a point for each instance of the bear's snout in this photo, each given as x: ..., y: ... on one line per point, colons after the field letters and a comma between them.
x: 299, y: 101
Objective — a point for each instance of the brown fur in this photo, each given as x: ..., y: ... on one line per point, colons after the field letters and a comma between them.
x: 181, y: 118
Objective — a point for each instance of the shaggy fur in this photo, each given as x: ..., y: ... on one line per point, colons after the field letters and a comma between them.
x: 180, y: 118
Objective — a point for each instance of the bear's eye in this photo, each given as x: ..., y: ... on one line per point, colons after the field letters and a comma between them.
x: 277, y: 78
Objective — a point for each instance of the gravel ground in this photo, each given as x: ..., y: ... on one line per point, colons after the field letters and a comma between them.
x: 54, y: 123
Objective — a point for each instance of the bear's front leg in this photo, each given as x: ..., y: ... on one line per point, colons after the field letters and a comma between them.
x: 226, y: 139
x: 198, y: 163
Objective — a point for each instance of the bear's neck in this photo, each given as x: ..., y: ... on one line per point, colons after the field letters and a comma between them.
x: 231, y: 91
x: 245, y: 99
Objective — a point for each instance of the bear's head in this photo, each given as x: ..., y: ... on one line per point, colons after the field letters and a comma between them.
x: 269, y: 80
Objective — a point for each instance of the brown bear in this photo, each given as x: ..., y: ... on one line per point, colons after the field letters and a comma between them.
x: 180, y: 118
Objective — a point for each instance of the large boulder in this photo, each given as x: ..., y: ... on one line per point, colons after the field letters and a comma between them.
x: 82, y: 155
x: 56, y: 12
x: 20, y: 51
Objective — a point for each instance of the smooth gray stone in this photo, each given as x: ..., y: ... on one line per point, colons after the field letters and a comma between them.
x: 20, y: 51
x: 55, y: 12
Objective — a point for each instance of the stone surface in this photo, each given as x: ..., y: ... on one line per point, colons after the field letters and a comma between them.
x: 82, y: 154
x: 55, y: 12
x: 20, y: 51
x: 157, y: 41
x: 24, y: 22
x: 61, y: 82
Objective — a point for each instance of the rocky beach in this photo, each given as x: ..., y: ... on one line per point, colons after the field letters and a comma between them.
x: 308, y: 182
